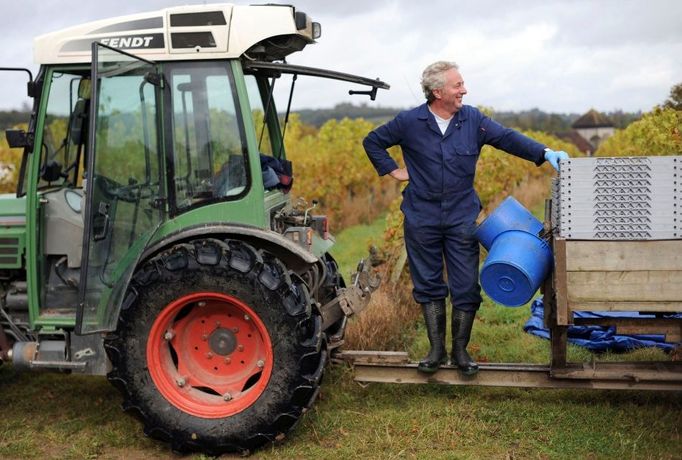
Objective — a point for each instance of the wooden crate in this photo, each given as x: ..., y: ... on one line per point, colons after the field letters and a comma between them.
x: 640, y: 276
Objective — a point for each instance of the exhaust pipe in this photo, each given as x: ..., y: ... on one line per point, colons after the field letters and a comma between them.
x: 23, y: 354
x: 46, y: 354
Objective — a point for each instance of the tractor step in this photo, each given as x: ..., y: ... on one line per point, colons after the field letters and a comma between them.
x: 396, y: 367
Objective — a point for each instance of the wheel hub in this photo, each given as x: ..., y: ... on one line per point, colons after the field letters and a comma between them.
x: 222, y: 342
x: 209, y: 354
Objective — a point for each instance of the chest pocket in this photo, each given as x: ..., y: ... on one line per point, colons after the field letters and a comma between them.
x: 464, y: 159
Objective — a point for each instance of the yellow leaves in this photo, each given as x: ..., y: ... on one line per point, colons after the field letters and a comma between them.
x: 330, y: 165
x: 10, y: 162
x: 656, y: 133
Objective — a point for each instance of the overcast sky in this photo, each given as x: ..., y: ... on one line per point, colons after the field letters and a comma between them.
x: 558, y: 56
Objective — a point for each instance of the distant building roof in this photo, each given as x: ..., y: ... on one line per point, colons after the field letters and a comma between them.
x: 576, y: 139
x: 593, y: 119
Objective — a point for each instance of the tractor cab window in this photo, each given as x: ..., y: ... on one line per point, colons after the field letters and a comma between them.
x: 209, y: 153
x: 260, y: 105
x: 276, y: 171
x: 64, y: 133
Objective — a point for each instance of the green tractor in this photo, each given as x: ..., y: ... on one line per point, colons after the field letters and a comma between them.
x: 152, y: 238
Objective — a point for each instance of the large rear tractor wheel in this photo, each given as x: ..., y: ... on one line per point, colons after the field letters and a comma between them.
x: 217, y: 348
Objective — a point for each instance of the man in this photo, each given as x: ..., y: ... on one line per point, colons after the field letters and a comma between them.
x: 441, y: 141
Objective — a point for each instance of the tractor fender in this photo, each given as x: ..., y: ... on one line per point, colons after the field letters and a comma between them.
x: 293, y: 255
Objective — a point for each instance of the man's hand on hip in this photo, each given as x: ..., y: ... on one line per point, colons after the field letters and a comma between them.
x: 400, y: 174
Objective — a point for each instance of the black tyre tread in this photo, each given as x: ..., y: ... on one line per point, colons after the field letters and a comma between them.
x: 234, y: 261
x: 331, y: 282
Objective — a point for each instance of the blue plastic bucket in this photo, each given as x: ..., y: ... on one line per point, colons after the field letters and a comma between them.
x: 509, y: 215
x: 516, y: 266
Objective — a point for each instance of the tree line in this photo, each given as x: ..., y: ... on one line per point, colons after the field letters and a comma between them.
x: 533, y: 119
x: 11, y: 118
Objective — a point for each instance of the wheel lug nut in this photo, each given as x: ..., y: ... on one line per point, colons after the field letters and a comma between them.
x: 228, y: 360
x: 247, y: 318
x: 260, y: 364
x: 217, y: 324
x: 235, y: 329
x: 169, y: 335
x: 180, y: 381
x: 204, y: 337
x: 227, y: 397
x: 240, y: 347
x: 201, y: 304
x: 209, y: 355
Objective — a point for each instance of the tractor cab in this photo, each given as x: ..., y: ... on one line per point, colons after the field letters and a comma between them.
x: 148, y: 128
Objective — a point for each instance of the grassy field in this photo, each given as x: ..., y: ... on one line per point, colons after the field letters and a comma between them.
x: 63, y: 416
x: 353, y: 244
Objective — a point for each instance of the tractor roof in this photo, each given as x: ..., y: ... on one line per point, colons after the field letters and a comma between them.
x: 218, y: 31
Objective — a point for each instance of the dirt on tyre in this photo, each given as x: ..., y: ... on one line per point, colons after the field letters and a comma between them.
x: 218, y: 348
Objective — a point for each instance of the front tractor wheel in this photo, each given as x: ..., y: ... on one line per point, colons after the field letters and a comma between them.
x: 218, y: 349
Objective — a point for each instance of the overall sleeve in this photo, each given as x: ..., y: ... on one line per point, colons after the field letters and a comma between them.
x: 378, y: 141
x: 511, y: 141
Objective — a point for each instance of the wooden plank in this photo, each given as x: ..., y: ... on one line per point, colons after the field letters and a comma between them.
x: 372, y: 357
x: 549, y: 301
x: 646, y: 286
x: 623, y: 255
x: 559, y: 339
x: 560, y: 286
x: 606, y: 305
x: 502, y: 376
x: 636, y: 371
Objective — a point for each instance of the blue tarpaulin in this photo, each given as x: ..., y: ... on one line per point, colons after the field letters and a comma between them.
x: 599, y: 338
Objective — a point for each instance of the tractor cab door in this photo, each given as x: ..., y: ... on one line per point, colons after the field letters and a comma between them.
x: 125, y: 196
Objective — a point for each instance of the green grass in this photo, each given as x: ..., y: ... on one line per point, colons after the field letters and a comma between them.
x: 391, y: 421
x: 61, y: 416
x: 353, y: 244
x: 65, y: 416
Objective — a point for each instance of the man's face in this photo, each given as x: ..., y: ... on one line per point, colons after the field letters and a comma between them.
x: 450, y: 95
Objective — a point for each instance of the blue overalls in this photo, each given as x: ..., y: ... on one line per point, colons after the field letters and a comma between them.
x: 439, y: 203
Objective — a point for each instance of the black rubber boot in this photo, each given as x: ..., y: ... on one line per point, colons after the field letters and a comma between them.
x: 462, y: 321
x: 434, y: 317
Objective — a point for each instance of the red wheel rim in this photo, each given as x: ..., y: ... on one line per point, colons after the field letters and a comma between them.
x: 209, y: 355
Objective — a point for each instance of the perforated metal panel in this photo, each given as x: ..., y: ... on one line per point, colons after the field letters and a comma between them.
x: 630, y: 198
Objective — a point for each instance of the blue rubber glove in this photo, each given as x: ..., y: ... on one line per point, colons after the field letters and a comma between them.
x: 555, y: 156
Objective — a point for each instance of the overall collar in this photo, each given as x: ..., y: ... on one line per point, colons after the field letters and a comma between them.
x: 425, y: 114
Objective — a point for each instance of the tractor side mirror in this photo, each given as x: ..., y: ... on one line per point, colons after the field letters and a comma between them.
x: 31, y: 89
x: 18, y: 138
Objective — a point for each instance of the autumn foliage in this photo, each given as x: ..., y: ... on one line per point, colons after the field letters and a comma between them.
x: 10, y: 161
x: 658, y: 132
x: 330, y: 165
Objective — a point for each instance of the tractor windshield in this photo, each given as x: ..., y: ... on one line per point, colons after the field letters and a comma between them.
x: 209, y: 151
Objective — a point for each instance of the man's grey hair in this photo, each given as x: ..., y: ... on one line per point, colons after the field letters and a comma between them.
x: 433, y: 77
